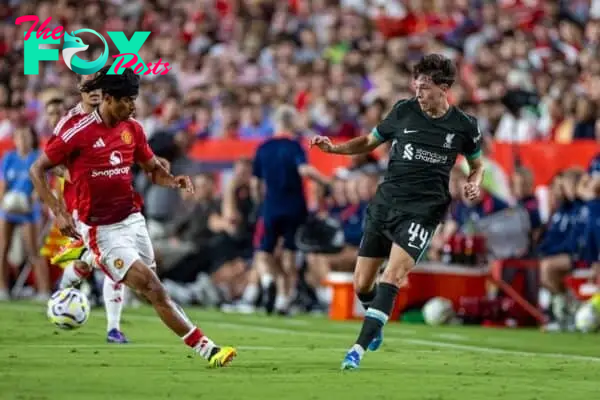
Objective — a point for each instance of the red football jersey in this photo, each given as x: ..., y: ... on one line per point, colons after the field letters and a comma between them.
x: 68, y: 121
x: 99, y: 159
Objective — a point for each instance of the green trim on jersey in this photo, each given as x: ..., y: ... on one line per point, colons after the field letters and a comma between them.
x: 475, y: 155
x: 377, y: 135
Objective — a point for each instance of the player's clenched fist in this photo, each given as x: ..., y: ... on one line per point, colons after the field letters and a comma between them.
x: 184, y: 183
x: 471, y: 191
x: 322, y: 142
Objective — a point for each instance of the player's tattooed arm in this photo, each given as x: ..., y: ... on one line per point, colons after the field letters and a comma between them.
x: 161, y: 176
x: 359, y: 145
x: 38, y: 172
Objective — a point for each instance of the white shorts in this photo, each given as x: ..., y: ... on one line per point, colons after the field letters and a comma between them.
x: 117, y: 246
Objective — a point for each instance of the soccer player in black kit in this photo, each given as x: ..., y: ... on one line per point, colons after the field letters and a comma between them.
x: 427, y: 135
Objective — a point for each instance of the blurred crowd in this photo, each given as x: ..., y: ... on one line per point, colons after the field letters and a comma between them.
x: 528, y: 69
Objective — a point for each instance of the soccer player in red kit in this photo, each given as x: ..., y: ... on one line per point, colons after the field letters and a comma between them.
x: 74, y: 257
x: 99, y: 152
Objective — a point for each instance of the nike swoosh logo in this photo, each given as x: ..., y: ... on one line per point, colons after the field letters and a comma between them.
x: 414, y: 246
x: 407, y: 131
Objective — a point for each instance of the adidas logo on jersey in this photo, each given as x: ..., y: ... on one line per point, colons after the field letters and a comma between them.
x: 99, y: 143
x: 408, y: 152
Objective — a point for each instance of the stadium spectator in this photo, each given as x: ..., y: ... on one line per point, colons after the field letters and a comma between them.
x: 523, y: 192
x: 360, y: 58
x: 20, y: 208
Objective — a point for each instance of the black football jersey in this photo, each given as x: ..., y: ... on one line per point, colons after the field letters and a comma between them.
x: 424, y: 150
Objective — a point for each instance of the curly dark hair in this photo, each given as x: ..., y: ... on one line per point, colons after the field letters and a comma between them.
x: 440, y: 69
x: 126, y: 84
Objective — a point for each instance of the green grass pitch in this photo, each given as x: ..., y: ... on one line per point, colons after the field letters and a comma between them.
x: 287, y: 358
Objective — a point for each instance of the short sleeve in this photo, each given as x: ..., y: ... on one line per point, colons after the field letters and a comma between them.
x: 300, y: 155
x: 256, y: 165
x: 60, y: 147
x: 472, y: 146
x: 387, y: 127
x: 142, y: 153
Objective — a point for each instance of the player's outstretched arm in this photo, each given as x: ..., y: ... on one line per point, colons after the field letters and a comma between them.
x: 359, y: 145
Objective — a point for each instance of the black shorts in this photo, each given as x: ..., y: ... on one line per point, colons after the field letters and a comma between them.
x: 269, y: 229
x: 385, y: 225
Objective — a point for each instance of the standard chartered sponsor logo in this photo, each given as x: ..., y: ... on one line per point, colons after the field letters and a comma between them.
x: 410, y: 153
x: 109, y: 173
x: 430, y: 157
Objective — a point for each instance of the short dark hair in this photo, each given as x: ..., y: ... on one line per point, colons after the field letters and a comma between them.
x: 126, y: 84
x: 440, y: 69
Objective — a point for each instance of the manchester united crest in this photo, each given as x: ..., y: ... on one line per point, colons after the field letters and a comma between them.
x: 127, y: 137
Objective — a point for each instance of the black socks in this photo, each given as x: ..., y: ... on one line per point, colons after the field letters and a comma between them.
x: 377, y: 313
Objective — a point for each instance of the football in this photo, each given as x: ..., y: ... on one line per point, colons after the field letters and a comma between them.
x: 587, y: 318
x: 68, y: 308
x: 438, y: 311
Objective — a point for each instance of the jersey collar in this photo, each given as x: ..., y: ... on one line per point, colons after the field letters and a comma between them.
x: 96, y: 115
x: 79, y: 108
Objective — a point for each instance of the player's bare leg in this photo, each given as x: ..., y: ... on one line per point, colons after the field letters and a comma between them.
x: 142, y: 279
x: 379, y: 308
x: 288, y: 277
x: 365, y: 276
